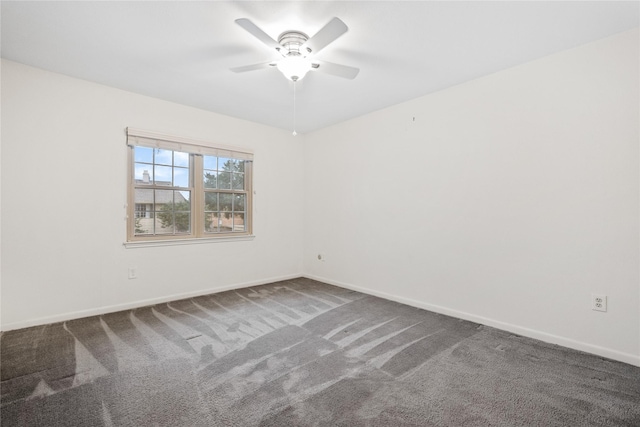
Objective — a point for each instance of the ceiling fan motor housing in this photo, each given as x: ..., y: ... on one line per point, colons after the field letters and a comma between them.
x: 291, y: 42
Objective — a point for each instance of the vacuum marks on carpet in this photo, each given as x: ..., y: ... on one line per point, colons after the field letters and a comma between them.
x: 298, y: 353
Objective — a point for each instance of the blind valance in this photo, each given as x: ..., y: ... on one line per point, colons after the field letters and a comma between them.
x: 175, y: 143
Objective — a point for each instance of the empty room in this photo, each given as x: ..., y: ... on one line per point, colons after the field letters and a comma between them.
x: 309, y: 213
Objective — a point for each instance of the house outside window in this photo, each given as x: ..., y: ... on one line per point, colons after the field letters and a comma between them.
x: 185, y: 189
x: 141, y: 210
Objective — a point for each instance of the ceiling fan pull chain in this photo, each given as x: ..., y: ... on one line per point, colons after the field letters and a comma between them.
x: 294, y: 109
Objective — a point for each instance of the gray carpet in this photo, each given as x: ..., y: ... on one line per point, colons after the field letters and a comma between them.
x: 302, y: 353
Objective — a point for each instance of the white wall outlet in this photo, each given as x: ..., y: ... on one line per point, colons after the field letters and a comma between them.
x: 133, y: 272
x: 598, y: 302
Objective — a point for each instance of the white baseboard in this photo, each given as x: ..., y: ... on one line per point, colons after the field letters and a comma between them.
x: 530, y: 333
x: 136, y: 304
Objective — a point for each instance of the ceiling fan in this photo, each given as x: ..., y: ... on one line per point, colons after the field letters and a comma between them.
x: 296, y: 51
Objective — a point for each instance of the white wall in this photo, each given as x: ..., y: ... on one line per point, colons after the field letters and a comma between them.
x: 64, y: 189
x: 508, y: 200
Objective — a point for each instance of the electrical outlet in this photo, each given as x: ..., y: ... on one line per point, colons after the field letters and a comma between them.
x: 598, y: 302
x: 133, y: 273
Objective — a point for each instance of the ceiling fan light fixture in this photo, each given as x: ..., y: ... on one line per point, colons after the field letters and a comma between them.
x: 298, y: 50
x: 294, y: 67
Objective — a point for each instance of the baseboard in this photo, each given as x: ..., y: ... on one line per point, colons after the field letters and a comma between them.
x: 136, y: 304
x: 530, y: 333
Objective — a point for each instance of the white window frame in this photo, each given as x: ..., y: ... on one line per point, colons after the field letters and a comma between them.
x: 196, y: 149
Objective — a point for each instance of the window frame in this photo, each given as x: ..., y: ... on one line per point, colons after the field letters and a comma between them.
x: 196, y: 150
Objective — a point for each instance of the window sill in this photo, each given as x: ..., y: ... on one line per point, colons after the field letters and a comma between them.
x: 178, y: 242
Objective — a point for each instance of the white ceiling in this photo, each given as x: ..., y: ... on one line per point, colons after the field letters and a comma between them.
x: 182, y: 51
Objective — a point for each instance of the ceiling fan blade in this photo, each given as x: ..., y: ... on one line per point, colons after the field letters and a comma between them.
x: 327, y: 34
x: 338, y: 70
x: 255, y: 31
x: 252, y: 67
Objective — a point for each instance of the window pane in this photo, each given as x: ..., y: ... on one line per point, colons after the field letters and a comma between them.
x: 164, y: 211
x: 182, y: 221
x: 210, y: 162
x: 163, y: 198
x: 225, y: 222
x: 211, y: 222
x: 142, y: 196
x: 143, y: 226
x: 224, y: 180
x: 240, y: 165
x: 163, y: 175
x: 173, y: 211
x: 143, y: 174
x: 182, y: 204
x: 210, y: 179
x: 238, y: 181
x: 140, y: 210
x: 163, y: 226
x: 238, y: 222
x: 238, y: 202
x: 180, y: 177
x: 226, y: 201
x: 181, y: 159
x: 143, y: 154
x: 226, y: 164
x: 183, y: 197
x: 210, y: 202
x: 164, y: 157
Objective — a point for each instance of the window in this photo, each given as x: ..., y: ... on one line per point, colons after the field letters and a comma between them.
x: 141, y: 210
x: 183, y: 189
x: 224, y: 195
